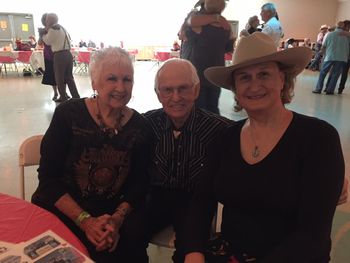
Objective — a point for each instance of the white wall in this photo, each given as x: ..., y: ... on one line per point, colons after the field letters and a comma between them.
x: 299, y: 18
x: 156, y: 22
x: 343, y: 12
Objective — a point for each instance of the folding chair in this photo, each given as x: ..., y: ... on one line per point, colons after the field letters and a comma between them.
x: 83, y: 60
x: 7, y: 59
x: 29, y: 155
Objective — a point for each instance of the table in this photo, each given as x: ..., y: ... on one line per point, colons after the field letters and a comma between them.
x: 162, y: 55
x: 21, y: 221
x: 37, y: 60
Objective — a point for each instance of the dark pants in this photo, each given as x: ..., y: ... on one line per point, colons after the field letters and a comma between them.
x: 344, y: 76
x: 63, y: 68
x: 209, y: 98
x: 316, y: 61
x: 164, y: 208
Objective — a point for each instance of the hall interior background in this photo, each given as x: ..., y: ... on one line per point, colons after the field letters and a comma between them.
x: 26, y: 107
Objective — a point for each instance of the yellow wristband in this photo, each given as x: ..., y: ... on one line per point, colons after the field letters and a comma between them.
x: 82, y: 216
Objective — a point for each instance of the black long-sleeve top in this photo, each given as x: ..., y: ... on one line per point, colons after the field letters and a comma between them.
x: 97, y: 169
x: 281, y: 208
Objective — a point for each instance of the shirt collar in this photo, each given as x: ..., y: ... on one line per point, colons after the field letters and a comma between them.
x: 188, y: 125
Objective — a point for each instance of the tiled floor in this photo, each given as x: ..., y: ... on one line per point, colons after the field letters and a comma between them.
x: 26, y: 109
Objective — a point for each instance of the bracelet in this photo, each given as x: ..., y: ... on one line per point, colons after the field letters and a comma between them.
x: 82, y: 216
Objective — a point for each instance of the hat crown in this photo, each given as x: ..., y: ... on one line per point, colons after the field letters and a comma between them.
x: 254, y: 46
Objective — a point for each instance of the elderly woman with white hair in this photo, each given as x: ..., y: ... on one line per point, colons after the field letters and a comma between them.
x: 93, y: 161
x: 278, y: 173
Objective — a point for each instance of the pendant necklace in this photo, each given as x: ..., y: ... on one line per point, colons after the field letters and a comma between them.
x: 256, y: 150
x: 111, y: 130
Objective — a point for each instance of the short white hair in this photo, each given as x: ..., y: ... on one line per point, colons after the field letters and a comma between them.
x: 185, y: 62
x: 108, y: 54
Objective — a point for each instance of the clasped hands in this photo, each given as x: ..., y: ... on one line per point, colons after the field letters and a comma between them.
x: 103, y: 231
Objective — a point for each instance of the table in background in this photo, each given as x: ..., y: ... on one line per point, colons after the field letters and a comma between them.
x: 21, y: 221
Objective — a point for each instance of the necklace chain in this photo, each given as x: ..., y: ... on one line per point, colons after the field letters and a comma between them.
x: 103, y: 126
x: 256, y: 150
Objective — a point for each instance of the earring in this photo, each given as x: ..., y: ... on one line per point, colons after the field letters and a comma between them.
x: 94, y: 95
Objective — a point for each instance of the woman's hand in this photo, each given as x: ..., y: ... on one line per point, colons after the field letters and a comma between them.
x: 95, y: 228
x: 111, y: 235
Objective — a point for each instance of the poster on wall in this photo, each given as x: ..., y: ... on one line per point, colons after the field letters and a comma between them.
x: 25, y: 27
x: 3, y: 24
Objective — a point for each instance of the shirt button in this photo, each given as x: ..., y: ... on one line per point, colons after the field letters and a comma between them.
x: 178, y: 164
x: 202, y: 164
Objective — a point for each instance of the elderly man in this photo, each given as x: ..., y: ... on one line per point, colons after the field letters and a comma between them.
x: 272, y: 26
x: 183, y: 134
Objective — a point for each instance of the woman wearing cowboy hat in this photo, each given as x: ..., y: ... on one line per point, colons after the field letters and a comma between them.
x: 278, y: 173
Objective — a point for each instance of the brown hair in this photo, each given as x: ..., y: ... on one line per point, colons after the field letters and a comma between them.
x: 287, y: 92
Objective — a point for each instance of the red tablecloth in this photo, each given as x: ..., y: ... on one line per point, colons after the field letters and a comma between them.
x: 12, y: 56
x: 162, y: 55
x: 24, y: 56
x: 21, y: 221
x: 7, y: 57
x: 84, y: 57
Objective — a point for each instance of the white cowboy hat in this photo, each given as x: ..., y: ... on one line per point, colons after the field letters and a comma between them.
x: 254, y: 49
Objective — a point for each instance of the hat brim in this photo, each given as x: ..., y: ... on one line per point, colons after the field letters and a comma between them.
x: 296, y: 58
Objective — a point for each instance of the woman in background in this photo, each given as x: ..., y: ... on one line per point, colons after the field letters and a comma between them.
x: 48, y: 74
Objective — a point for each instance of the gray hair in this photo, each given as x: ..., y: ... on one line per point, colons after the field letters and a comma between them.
x: 114, y: 54
x: 270, y: 7
x: 53, y: 18
x: 191, y: 68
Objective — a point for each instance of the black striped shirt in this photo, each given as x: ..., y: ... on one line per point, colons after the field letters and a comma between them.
x: 177, y: 162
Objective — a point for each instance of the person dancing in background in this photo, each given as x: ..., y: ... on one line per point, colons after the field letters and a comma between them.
x: 205, y: 31
x: 59, y: 40
x: 48, y: 74
x: 251, y: 27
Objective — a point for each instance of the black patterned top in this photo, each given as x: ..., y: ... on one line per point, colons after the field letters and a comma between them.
x: 98, y: 170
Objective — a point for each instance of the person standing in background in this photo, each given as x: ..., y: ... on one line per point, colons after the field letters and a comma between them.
x: 251, y: 27
x: 315, y: 63
x: 49, y: 74
x: 336, y: 49
x: 207, y: 42
x: 272, y: 26
x: 59, y: 40
x: 344, y: 74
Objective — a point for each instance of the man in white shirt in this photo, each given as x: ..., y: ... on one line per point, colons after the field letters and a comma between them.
x: 272, y: 26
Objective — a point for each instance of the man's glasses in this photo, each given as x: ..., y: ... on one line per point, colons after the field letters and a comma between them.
x: 182, y: 91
